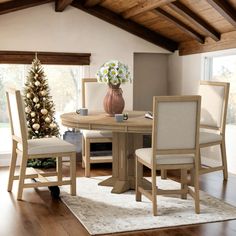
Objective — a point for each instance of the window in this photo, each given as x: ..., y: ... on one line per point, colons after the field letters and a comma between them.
x: 223, y: 68
x: 65, y: 85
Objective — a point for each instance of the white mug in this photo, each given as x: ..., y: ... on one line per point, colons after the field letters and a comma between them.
x: 121, y: 117
x: 82, y: 111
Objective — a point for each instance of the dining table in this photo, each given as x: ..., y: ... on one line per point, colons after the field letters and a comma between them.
x: 127, y: 136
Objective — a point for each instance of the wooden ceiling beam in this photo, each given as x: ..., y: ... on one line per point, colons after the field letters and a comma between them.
x: 228, y: 41
x: 145, y: 5
x: 225, y: 9
x: 16, y: 5
x: 92, y: 3
x: 182, y: 26
x: 128, y: 26
x: 195, y: 19
x: 61, y: 5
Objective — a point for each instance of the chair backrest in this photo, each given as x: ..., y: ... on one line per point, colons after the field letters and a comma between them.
x: 176, y: 124
x: 17, y: 116
x: 93, y: 94
x: 214, y: 104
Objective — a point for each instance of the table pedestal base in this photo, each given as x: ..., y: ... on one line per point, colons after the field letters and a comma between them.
x: 123, y: 165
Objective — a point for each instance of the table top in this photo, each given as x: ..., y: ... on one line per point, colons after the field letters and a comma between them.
x: 136, y: 123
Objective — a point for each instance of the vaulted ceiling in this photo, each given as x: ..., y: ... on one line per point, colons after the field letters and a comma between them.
x: 190, y: 26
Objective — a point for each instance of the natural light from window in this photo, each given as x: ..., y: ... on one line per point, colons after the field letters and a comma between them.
x: 223, y: 68
x: 65, y: 85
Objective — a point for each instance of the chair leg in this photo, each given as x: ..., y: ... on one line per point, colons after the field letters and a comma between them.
x: 138, y: 182
x: 22, y: 176
x: 196, y: 190
x: 73, y: 174
x: 12, y: 166
x: 192, y: 177
x: 184, y: 180
x: 163, y: 174
x: 59, y: 169
x: 224, y: 160
x: 87, y: 158
x: 154, y: 192
x: 83, y: 152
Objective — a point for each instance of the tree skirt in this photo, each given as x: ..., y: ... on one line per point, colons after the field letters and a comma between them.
x: 102, y: 212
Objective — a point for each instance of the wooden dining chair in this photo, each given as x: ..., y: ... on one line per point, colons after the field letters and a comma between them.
x: 213, y: 121
x: 92, y: 98
x: 35, y: 148
x: 175, y: 145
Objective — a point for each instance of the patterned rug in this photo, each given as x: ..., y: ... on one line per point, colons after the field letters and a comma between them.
x: 102, y: 212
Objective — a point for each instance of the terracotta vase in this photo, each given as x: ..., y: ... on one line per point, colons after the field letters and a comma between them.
x: 113, y: 102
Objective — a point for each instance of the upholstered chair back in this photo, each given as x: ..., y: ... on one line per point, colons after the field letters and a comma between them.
x: 17, y: 115
x: 214, y: 104
x: 93, y: 94
x: 176, y: 122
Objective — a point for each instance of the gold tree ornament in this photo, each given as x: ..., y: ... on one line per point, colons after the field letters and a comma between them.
x: 43, y: 93
x: 44, y: 111
x: 37, y: 83
x: 36, y: 126
x: 29, y: 95
x: 36, y: 99
x: 33, y: 114
x: 27, y: 110
x: 48, y: 119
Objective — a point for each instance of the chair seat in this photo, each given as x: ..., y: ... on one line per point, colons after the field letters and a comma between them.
x: 96, y: 134
x: 206, y: 137
x: 146, y: 155
x: 48, y: 146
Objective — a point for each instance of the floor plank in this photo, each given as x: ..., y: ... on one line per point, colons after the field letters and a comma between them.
x: 39, y: 214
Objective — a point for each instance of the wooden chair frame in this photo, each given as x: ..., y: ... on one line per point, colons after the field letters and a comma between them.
x: 220, y: 129
x: 151, y: 194
x: 87, y: 159
x: 31, y: 173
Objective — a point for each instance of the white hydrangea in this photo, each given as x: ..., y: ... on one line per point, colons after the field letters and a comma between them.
x: 113, y: 72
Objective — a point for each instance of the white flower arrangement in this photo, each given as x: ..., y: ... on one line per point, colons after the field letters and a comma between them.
x: 113, y: 72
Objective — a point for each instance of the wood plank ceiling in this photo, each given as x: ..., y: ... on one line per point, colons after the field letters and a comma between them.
x: 190, y: 26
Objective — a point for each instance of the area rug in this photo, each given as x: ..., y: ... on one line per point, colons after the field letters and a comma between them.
x: 102, y: 212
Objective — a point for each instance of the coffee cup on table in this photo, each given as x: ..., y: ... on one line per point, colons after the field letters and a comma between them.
x: 82, y: 111
x: 121, y: 117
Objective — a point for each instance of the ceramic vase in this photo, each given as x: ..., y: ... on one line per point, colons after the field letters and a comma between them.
x: 113, y: 102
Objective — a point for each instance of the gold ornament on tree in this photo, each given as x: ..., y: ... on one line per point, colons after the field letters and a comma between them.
x: 27, y: 110
x: 36, y: 99
x: 43, y: 93
x: 47, y: 119
x: 36, y: 126
x: 37, y: 83
x: 33, y: 114
x: 44, y: 111
x: 29, y: 95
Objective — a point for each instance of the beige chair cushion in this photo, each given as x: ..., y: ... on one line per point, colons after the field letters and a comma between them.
x: 146, y: 155
x: 206, y: 137
x: 48, y: 145
x: 96, y: 134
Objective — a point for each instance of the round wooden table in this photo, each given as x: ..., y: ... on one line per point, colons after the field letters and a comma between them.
x: 127, y: 137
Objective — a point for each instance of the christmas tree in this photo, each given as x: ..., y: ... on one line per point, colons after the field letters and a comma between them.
x: 40, y: 110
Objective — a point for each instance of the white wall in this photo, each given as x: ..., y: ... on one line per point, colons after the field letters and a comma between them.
x: 42, y: 29
x: 184, y: 73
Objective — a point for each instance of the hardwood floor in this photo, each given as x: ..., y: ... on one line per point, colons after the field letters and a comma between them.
x: 38, y: 214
